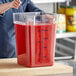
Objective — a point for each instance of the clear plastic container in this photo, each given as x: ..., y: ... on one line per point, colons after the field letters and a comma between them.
x: 35, y: 39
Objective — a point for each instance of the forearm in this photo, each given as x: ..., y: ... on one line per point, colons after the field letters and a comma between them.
x: 14, y: 4
x: 5, y: 7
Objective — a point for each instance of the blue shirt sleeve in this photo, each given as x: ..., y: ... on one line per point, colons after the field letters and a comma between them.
x: 1, y: 2
x: 31, y: 7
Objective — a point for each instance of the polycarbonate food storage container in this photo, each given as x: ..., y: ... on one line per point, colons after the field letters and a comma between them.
x: 35, y: 38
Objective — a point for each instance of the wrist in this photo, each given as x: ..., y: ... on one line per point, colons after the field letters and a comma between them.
x: 10, y: 5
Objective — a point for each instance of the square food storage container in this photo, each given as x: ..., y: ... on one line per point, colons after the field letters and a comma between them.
x: 35, y: 38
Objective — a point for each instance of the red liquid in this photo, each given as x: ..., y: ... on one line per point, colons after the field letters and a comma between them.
x: 35, y: 45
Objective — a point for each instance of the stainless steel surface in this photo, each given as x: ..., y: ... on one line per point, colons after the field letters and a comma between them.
x: 69, y: 40
x: 68, y: 2
x: 55, y: 7
x: 75, y: 52
x: 62, y: 53
x: 65, y: 57
x: 65, y: 35
x: 72, y: 41
x: 74, y: 68
x: 64, y: 47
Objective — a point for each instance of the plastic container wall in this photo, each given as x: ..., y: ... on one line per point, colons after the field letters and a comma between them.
x: 35, y: 39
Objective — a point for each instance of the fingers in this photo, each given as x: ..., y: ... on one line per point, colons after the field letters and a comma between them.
x: 16, y: 4
x: 17, y: 0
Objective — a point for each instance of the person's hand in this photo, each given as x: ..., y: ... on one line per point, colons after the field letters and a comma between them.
x: 15, y: 4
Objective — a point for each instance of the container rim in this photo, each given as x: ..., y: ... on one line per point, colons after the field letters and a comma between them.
x: 35, y: 13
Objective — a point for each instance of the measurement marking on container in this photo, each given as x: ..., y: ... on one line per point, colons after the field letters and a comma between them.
x: 45, y: 38
x: 44, y: 30
x: 45, y: 47
x: 40, y: 42
x: 39, y: 30
x: 39, y: 54
x: 45, y: 56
